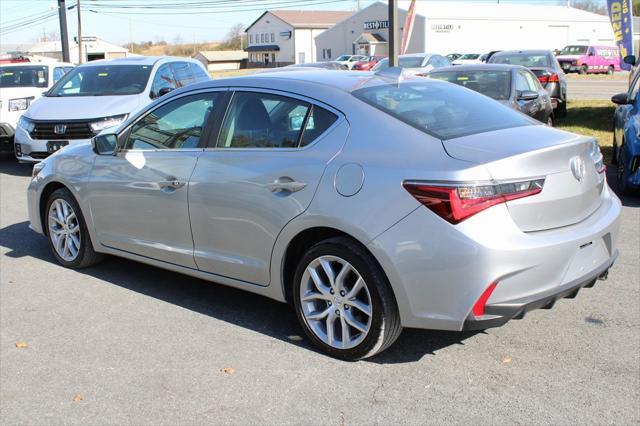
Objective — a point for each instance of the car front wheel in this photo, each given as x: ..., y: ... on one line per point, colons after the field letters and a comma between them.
x: 344, y: 302
x: 67, y: 231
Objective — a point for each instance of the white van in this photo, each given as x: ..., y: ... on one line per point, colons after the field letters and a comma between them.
x: 95, y: 96
x: 22, y: 83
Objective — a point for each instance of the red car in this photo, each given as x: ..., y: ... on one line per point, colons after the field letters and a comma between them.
x: 368, y: 64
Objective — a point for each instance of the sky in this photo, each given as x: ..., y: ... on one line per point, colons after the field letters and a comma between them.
x: 23, y: 22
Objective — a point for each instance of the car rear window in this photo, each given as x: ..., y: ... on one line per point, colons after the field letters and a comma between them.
x: 445, y: 111
x: 495, y: 84
x: 524, y: 59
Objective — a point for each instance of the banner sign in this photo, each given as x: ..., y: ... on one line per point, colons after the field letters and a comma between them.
x: 408, y: 27
x: 622, y: 24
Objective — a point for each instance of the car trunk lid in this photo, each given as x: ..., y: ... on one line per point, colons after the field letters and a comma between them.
x: 570, y: 164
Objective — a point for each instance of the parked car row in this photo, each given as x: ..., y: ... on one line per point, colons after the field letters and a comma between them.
x: 92, y: 97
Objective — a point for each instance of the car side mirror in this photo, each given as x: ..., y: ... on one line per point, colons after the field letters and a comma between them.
x: 106, y: 144
x: 527, y: 95
x: 620, y: 99
x: 629, y: 59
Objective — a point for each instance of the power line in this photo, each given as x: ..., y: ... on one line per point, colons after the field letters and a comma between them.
x: 210, y: 10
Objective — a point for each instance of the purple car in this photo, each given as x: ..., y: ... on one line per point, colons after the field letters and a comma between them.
x: 589, y: 59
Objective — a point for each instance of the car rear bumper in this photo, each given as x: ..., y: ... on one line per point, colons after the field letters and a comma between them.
x: 499, y: 313
x: 439, y: 271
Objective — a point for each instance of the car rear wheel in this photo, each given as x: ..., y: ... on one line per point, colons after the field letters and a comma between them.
x: 584, y: 69
x: 344, y: 302
x: 67, y: 231
x: 610, y: 70
x: 622, y: 175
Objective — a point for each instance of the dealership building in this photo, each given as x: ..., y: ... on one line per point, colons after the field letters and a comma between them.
x: 285, y: 37
x: 455, y: 27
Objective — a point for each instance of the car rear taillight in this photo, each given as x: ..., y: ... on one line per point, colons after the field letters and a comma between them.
x: 459, y: 201
x: 548, y: 78
x: 478, y: 308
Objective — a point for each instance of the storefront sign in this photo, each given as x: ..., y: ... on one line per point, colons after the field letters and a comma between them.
x: 442, y: 28
x: 376, y: 25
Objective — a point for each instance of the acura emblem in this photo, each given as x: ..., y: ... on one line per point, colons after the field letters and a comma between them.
x: 577, y: 168
x: 59, y: 129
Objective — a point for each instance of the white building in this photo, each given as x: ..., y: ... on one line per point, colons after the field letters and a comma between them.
x: 284, y: 37
x: 456, y: 27
x: 218, y: 60
x: 93, y: 48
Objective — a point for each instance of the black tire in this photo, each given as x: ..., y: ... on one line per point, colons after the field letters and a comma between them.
x: 610, y: 70
x: 621, y: 178
x: 385, y: 318
x: 561, y: 110
x: 583, y: 69
x: 614, y: 148
x: 86, y: 255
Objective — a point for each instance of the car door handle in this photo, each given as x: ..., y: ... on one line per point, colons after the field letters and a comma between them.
x: 285, y: 184
x: 171, y: 184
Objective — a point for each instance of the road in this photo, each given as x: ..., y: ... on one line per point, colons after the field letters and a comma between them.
x: 592, y: 87
x: 125, y: 343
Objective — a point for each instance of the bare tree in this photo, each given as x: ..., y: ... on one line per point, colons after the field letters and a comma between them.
x: 235, y: 39
x: 594, y: 6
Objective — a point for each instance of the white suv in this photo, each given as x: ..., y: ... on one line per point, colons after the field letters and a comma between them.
x: 20, y: 84
x: 95, y: 96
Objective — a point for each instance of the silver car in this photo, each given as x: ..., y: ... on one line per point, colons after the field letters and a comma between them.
x: 369, y: 204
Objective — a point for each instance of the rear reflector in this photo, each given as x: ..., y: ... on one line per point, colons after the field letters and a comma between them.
x: 459, y: 201
x: 478, y: 308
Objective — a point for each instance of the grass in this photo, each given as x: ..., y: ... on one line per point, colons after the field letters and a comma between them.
x: 591, y: 118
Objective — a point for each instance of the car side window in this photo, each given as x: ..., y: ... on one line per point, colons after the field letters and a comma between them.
x: 163, y: 79
x: 198, y: 72
x: 592, y: 51
x: 521, y: 83
x: 532, y: 81
x: 183, y: 74
x: 58, y: 73
x: 177, y: 124
x: 262, y: 120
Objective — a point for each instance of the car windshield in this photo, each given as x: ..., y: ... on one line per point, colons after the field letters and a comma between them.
x: 525, y: 59
x: 343, y: 58
x: 442, y: 110
x: 103, y: 80
x: 470, y: 56
x: 495, y: 84
x: 574, y: 50
x: 24, y: 76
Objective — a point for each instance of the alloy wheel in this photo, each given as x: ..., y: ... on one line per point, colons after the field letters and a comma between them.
x: 335, y: 302
x: 64, y: 230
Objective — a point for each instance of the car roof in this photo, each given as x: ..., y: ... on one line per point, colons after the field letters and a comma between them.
x: 41, y: 64
x: 137, y: 60
x: 480, y: 67
x: 527, y: 52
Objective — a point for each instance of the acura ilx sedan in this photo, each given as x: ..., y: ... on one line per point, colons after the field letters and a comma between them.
x: 368, y: 202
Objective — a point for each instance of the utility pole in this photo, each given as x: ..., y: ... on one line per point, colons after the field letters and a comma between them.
x: 393, y: 33
x: 64, y: 36
x: 80, y: 57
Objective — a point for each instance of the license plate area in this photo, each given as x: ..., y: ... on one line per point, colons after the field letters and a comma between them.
x: 53, y: 146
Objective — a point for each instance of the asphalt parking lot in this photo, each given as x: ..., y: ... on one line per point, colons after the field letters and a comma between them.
x: 588, y: 87
x: 125, y: 343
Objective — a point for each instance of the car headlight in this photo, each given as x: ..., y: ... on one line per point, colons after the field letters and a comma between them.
x: 20, y: 104
x: 26, y: 124
x: 107, y: 122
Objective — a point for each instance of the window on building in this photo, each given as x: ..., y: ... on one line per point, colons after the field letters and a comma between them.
x: 273, y: 38
x: 250, y: 38
x: 261, y: 38
x: 328, y: 53
x: 273, y: 57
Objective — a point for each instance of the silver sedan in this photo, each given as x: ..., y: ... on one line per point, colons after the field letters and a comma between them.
x: 369, y: 204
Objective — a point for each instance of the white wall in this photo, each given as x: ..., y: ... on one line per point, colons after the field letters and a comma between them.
x: 270, y: 24
x: 305, y: 43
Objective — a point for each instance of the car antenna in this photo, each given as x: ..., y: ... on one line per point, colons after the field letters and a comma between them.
x: 391, y: 74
